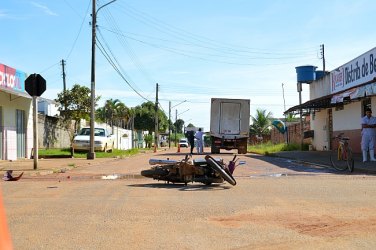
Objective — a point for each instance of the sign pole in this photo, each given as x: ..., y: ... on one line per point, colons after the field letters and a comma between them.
x: 35, y: 85
x: 35, y: 132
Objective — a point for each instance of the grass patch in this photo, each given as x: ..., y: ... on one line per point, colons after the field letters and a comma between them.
x: 117, y: 153
x: 55, y: 151
x: 270, y: 148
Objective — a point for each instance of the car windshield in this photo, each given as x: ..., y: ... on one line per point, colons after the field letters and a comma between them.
x: 84, y: 131
x: 183, y: 140
x: 97, y: 132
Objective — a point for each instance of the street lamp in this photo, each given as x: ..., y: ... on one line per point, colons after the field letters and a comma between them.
x: 176, y: 124
x: 91, y: 153
x: 169, y: 122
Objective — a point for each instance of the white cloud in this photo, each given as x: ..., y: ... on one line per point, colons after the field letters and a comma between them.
x: 44, y: 8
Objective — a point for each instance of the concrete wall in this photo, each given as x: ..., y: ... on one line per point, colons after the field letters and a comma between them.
x: 319, y: 88
x: 52, y: 134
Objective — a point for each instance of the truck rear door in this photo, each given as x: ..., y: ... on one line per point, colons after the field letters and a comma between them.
x: 230, y: 118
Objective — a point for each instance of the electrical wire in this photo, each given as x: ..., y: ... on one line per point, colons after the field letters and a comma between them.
x: 112, y: 63
x: 128, y: 48
x: 196, y: 39
x: 79, y: 31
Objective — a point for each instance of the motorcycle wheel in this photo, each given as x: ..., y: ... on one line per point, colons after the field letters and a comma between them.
x: 218, y: 168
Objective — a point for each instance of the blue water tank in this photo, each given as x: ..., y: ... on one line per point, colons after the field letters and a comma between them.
x: 306, y: 74
x: 320, y: 74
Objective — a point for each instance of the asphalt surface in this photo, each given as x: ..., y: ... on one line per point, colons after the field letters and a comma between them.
x: 50, y: 166
x: 278, y: 203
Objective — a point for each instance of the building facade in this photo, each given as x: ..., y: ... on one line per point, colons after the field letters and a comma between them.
x: 16, y: 119
x: 338, y: 101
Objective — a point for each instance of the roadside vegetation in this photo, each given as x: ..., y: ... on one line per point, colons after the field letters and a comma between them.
x: 270, y: 148
x: 61, y: 153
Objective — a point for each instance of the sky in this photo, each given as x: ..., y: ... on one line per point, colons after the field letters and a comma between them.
x: 194, y: 50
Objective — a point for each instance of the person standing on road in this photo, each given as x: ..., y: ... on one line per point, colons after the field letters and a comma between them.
x: 200, y: 146
x: 368, y: 135
x: 191, y: 139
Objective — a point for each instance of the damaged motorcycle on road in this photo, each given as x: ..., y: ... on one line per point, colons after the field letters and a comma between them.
x: 207, y: 171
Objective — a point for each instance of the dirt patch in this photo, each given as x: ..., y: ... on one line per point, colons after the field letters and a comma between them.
x: 318, y: 225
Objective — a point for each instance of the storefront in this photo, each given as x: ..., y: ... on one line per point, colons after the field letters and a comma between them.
x: 16, y: 124
x: 338, y: 101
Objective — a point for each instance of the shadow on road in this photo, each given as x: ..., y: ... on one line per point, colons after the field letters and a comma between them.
x: 304, y: 166
x: 182, y: 187
x: 295, y: 165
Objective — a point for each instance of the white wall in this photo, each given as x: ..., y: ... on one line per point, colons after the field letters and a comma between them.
x: 348, y: 118
x: 320, y: 125
x: 123, y: 138
x: 47, y: 107
x: 319, y: 88
x: 10, y: 103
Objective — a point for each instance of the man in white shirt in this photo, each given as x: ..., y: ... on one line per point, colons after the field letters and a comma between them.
x: 368, y: 135
x: 200, y: 145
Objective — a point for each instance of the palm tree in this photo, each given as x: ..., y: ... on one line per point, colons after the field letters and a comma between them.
x: 100, y: 114
x: 111, y: 107
x: 261, y: 123
x: 122, y: 114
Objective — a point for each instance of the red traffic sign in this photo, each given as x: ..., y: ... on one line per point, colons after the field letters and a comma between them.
x: 35, y: 85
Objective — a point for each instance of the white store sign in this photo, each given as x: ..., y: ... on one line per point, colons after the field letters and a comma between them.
x: 358, y: 71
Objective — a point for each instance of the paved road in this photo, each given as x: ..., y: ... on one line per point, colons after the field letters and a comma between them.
x: 276, y: 204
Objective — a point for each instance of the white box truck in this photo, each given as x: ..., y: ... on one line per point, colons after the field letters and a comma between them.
x: 229, y: 124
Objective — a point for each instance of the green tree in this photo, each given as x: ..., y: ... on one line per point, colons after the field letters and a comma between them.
x: 260, y: 123
x: 291, y: 118
x: 111, y: 111
x: 122, y: 115
x: 114, y: 112
x: 144, y: 118
x: 179, y: 125
x: 77, y: 104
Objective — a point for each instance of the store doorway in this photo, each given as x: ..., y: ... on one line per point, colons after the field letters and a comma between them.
x: 366, y: 104
x: 21, y: 133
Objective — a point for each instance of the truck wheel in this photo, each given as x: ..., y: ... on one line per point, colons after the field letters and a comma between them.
x: 242, y: 151
x: 215, y: 150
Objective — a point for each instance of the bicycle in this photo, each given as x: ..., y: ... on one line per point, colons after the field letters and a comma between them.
x: 342, y: 157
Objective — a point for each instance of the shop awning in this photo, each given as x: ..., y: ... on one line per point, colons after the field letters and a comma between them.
x: 315, y: 104
x: 15, y: 94
x: 365, y: 90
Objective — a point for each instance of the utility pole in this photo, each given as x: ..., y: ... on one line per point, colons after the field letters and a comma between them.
x: 91, y: 153
x: 284, y: 109
x: 323, y: 57
x: 169, y: 124
x: 299, y: 85
x: 64, y: 84
x: 156, y: 120
x: 176, y: 124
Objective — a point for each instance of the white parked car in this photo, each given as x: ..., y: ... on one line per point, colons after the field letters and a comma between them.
x: 103, y: 140
x: 183, y: 143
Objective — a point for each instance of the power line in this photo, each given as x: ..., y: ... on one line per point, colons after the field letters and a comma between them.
x: 79, y: 31
x: 197, y: 39
x: 112, y: 63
